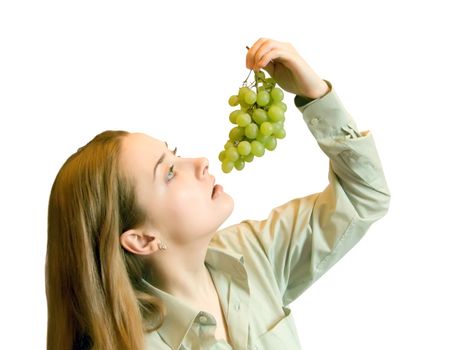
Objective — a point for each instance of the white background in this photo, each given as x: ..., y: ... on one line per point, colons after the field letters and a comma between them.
x: 69, y: 70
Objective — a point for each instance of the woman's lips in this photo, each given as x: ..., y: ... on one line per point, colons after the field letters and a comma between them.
x: 216, y: 191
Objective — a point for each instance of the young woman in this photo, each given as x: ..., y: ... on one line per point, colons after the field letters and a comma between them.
x: 135, y: 259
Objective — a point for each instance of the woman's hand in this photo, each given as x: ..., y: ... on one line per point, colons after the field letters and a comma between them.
x: 286, y: 66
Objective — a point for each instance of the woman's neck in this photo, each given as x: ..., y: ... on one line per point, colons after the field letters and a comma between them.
x: 182, y: 273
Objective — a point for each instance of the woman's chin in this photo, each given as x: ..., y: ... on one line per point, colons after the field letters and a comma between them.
x: 228, y: 206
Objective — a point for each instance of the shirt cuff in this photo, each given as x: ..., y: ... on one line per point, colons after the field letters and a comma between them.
x: 326, y: 116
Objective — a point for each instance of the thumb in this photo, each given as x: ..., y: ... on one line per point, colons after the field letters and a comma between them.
x: 269, y: 68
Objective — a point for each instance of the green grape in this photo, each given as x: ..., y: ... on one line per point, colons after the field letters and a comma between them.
x: 277, y: 94
x: 270, y: 143
x: 233, y: 100
x: 248, y: 158
x: 266, y: 128
x: 277, y: 126
x: 241, y: 94
x: 243, y: 119
x: 239, y: 164
x: 261, y: 138
x: 263, y: 98
x: 280, y: 134
x: 228, y: 144
x: 275, y: 113
x: 281, y: 105
x: 260, y: 75
x: 250, y: 97
x: 244, y: 106
x: 227, y: 166
x: 232, y: 154
x: 260, y: 116
x: 258, y: 122
x: 236, y: 133
x: 243, y: 148
x: 243, y: 91
x: 269, y: 82
x: 233, y: 116
x: 251, y: 130
x: 257, y: 148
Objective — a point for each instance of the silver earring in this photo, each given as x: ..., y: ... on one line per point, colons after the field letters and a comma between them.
x: 162, y: 246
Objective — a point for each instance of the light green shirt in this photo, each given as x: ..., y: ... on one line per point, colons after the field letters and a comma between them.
x: 260, y: 267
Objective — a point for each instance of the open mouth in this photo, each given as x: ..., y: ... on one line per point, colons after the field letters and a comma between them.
x: 216, y: 191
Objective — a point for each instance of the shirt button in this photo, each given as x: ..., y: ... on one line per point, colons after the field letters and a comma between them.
x: 237, y: 306
x: 202, y: 319
x: 314, y: 121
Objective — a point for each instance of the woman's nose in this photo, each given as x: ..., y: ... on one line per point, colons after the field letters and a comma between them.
x: 202, y: 167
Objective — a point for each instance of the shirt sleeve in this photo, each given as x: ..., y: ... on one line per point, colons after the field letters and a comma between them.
x: 305, y: 237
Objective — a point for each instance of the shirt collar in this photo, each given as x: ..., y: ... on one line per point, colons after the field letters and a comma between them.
x: 224, y: 261
x: 179, y: 315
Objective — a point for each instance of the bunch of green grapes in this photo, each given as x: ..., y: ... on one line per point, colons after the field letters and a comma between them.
x: 258, y: 122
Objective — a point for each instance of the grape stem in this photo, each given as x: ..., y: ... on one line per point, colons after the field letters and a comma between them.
x: 244, y: 83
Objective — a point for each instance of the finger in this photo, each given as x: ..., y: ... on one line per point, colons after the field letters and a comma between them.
x: 249, y: 58
x: 264, y: 48
x: 271, y: 49
x: 275, y: 54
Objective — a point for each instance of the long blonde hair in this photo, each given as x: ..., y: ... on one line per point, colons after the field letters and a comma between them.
x: 93, y: 286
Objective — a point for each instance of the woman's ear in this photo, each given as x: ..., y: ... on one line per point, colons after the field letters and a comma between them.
x: 139, y: 242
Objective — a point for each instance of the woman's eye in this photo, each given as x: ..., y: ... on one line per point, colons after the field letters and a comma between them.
x: 170, y: 173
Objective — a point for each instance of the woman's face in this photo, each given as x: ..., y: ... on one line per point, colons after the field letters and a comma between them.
x: 175, y: 193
